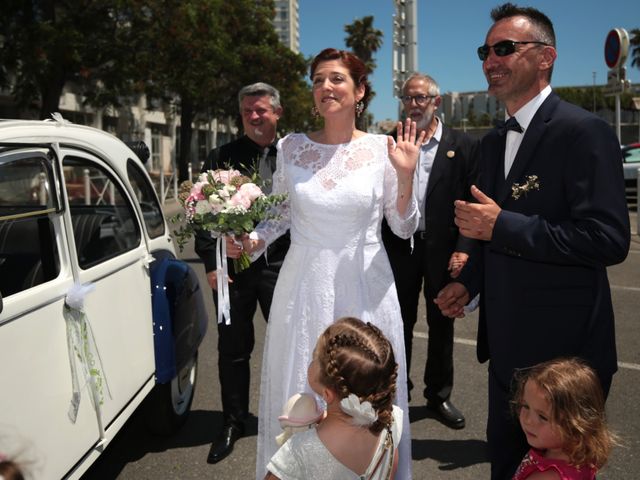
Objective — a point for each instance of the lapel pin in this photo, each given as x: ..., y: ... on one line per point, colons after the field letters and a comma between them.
x: 451, y: 153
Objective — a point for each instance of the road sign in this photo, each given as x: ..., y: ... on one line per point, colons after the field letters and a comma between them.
x: 616, y: 48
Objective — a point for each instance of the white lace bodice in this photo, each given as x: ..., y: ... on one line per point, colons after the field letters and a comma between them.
x: 337, y: 194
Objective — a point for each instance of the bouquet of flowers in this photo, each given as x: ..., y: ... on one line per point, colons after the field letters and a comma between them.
x: 224, y: 202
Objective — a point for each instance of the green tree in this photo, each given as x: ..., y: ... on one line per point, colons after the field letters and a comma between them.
x: 193, y: 52
x: 635, y: 47
x: 471, y: 115
x: 484, y: 120
x: 181, y: 56
x: 262, y: 57
x: 364, y: 40
x: 47, y: 43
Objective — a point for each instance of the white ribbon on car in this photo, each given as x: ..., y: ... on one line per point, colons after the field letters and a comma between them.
x: 84, y: 358
x: 222, y: 277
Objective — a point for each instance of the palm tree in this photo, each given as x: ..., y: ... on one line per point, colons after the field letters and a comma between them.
x: 364, y: 40
x: 635, y: 47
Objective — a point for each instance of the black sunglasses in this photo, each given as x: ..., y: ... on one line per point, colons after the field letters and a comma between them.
x: 502, y: 48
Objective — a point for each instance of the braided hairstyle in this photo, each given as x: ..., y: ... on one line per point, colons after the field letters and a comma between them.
x: 355, y: 357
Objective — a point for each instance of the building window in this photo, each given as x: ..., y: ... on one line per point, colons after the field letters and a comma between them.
x: 156, y: 150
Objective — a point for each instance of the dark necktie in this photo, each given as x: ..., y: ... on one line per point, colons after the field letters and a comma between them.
x: 511, y: 124
x: 266, y: 167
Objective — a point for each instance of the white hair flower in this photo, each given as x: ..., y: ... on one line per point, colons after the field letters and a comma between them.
x: 362, y: 412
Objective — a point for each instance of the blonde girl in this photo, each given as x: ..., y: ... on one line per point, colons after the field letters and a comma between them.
x: 560, y: 406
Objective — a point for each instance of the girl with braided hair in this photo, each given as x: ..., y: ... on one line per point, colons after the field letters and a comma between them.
x: 355, y: 372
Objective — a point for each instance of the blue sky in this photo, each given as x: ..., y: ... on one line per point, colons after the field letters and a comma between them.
x: 449, y: 31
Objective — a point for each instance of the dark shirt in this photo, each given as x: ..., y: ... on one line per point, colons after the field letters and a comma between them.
x: 242, y: 154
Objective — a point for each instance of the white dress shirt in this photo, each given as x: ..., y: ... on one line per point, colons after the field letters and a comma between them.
x: 423, y: 170
x: 523, y: 116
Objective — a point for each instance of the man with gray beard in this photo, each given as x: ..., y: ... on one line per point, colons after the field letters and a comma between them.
x: 446, y: 169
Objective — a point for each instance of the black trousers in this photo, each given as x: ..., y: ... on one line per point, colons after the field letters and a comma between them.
x: 236, y: 341
x: 410, y: 273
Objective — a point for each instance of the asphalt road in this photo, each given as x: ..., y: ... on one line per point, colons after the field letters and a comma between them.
x: 438, y: 452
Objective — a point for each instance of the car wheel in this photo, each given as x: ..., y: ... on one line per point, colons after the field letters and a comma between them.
x: 168, y: 404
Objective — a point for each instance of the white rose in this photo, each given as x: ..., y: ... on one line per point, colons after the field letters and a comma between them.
x: 202, y: 207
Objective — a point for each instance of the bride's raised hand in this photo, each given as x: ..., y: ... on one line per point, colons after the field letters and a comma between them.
x: 405, y: 151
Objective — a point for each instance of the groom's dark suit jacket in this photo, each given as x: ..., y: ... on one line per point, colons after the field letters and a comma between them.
x: 542, y: 277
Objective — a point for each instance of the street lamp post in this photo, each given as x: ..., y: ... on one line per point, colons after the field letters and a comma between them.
x: 636, y: 106
x: 594, y: 92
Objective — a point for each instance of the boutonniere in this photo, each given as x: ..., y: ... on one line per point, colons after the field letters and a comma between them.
x: 518, y: 190
x: 451, y: 153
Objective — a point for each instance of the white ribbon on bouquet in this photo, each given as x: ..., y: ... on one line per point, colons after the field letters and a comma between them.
x: 222, y: 277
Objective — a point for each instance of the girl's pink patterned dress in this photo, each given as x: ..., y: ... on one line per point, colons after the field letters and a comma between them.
x: 535, y: 462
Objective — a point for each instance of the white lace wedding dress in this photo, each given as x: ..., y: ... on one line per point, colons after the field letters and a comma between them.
x: 336, y: 266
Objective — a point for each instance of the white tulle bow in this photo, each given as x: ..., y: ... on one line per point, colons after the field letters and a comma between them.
x: 362, y: 413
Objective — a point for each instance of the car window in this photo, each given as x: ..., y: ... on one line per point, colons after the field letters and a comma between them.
x: 28, y: 251
x: 632, y: 155
x: 104, y: 222
x: 151, y: 211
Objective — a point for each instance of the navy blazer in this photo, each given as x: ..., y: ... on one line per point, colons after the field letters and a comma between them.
x: 543, y: 280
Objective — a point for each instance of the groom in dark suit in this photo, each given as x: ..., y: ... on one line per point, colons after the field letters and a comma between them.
x: 551, y: 215
x: 446, y: 170
x: 260, y: 110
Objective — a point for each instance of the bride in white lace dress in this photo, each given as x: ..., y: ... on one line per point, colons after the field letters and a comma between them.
x: 340, y: 182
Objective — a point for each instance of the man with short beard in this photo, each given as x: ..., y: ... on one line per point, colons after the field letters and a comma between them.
x: 550, y: 215
x: 260, y: 110
x: 445, y: 171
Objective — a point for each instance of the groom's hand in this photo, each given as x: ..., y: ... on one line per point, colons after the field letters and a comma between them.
x: 476, y: 220
x: 452, y: 299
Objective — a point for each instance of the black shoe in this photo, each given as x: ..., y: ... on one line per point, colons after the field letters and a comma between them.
x: 223, y: 444
x: 447, y: 413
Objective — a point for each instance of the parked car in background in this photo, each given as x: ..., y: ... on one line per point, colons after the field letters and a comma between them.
x: 631, y: 164
x: 97, y: 315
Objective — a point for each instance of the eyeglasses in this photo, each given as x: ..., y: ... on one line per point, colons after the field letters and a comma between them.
x: 502, y: 48
x: 419, y: 99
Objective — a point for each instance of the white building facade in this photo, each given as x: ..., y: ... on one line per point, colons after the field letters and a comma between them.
x: 286, y: 23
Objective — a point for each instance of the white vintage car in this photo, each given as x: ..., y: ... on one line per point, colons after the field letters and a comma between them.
x: 96, y: 312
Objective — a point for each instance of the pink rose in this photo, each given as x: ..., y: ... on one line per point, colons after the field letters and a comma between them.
x: 240, y: 199
x: 225, y: 176
x: 196, y: 191
x: 251, y: 190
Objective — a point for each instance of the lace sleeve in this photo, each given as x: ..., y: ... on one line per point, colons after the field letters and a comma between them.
x: 402, y: 226
x: 270, y: 230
